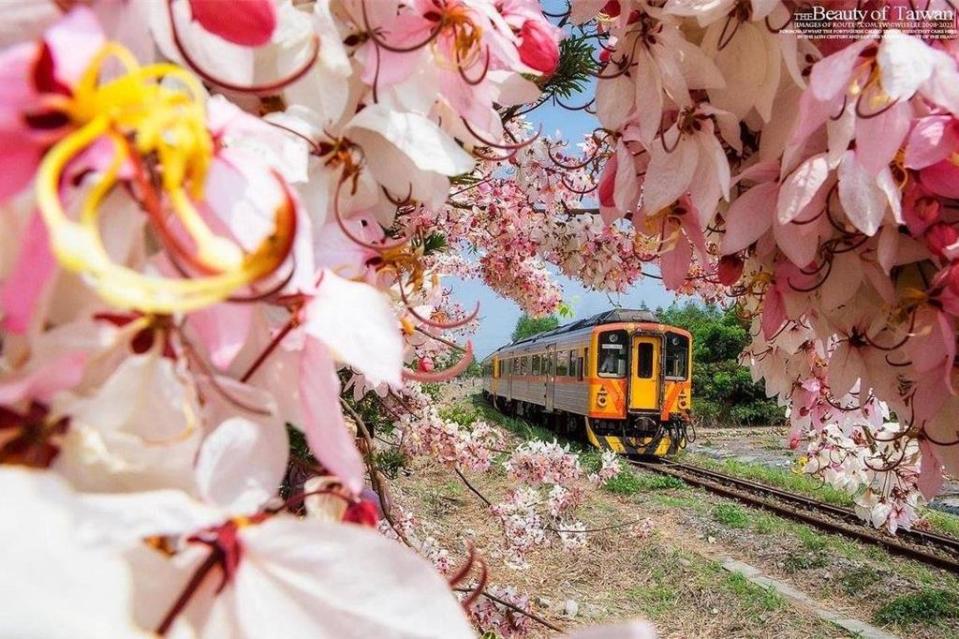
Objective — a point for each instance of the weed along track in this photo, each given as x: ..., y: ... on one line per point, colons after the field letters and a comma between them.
x: 937, y: 550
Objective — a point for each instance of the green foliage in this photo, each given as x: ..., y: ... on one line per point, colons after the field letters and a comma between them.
x: 462, y: 413
x: 391, y: 461
x: 929, y: 605
x: 795, y: 562
x: 857, y: 580
x: 625, y: 483
x: 576, y: 65
x: 731, y: 515
x: 527, y: 326
x: 723, y: 390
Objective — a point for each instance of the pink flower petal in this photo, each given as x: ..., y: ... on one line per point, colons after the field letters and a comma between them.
x: 46, y: 381
x: 932, y: 140
x: 73, y: 41
x: 942, y: 178
x: 223, y: 330
x: 830, y: 75
x: 930, y: 470
x: 18, y: 162
x: 749, y: 217
x: 34, y: 269
x: 675, y: 264
x: 323, y: 423
x: 879, y: 138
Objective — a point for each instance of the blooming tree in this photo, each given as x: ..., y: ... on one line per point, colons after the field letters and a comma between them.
x: 216, y: 223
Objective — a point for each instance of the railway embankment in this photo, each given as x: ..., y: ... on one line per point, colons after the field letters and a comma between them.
x: 677, y: 572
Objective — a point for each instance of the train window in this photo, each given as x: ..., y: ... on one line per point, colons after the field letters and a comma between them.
x: 535, y: 365
x: 644, y: 367
x: 612, y: 354
x: 562, y: 363
x: 525, y: 365
x: 676, y: 361
x: 579, y: 368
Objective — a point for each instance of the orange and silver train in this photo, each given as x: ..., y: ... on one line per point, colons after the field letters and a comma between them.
x: 621, y: 376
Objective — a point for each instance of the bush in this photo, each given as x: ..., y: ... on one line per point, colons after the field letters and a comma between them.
x: 929, y: 605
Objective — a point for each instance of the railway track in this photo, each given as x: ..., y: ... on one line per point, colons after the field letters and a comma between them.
x: 930, y: 548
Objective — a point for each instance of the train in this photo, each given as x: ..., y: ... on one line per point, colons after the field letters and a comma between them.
x: 621, y: 377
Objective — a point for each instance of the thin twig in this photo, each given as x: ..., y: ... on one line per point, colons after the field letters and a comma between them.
x: 376, y: 477
x: 470, y: 486
x: 514, y: 607
x: 439, y: 339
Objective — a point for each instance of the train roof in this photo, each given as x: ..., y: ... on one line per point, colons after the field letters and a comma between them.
x: 607, y: 317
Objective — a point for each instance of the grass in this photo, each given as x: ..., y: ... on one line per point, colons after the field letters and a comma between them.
x: 796, y: 562
x: 942, y: 522
x: 755, y: 598
x: 929, y: 606
x: 731, y: 515
x: 679, y: 501
x: 857, y: 580
x: 629, y: 483
x: 655, y: 600
x: 778, y: 477
x: 678, y: 579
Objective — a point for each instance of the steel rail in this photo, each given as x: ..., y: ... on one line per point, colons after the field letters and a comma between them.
x: 930, y: 548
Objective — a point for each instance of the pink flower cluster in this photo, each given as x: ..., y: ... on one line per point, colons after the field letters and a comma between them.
x: 426, y: 433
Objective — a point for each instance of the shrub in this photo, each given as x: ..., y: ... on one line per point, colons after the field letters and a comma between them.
x: 731, y: 515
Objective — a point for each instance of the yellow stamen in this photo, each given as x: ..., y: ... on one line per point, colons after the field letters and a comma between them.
x: 169, y: 125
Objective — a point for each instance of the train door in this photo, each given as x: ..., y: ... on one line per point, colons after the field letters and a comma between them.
x: 644, y: 387
x: 550, y: 364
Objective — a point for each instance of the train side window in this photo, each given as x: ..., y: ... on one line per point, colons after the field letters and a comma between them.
x: 524, y: 367
x: 644, y: 367
x: 676, y: 360
x: 562, y: 364
x: 535, y: 365
x: 579, y: 367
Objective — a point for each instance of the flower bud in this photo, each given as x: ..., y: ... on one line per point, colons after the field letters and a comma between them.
x: 249, y: 23
x: 939, y: 237
x: 362, y: 512
x: 612, y: 8
x: 927, y: 209
x: 730, y: 269
x: 538, y: 47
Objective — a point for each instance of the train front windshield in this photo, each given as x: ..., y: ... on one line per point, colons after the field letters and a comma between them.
x: 676, y: 360
x: 612, y: 354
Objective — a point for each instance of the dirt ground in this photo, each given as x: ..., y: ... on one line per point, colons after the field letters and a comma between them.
x: 671, y: 574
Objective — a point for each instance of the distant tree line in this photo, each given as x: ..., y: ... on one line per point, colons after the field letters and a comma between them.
x: 724, y: 393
